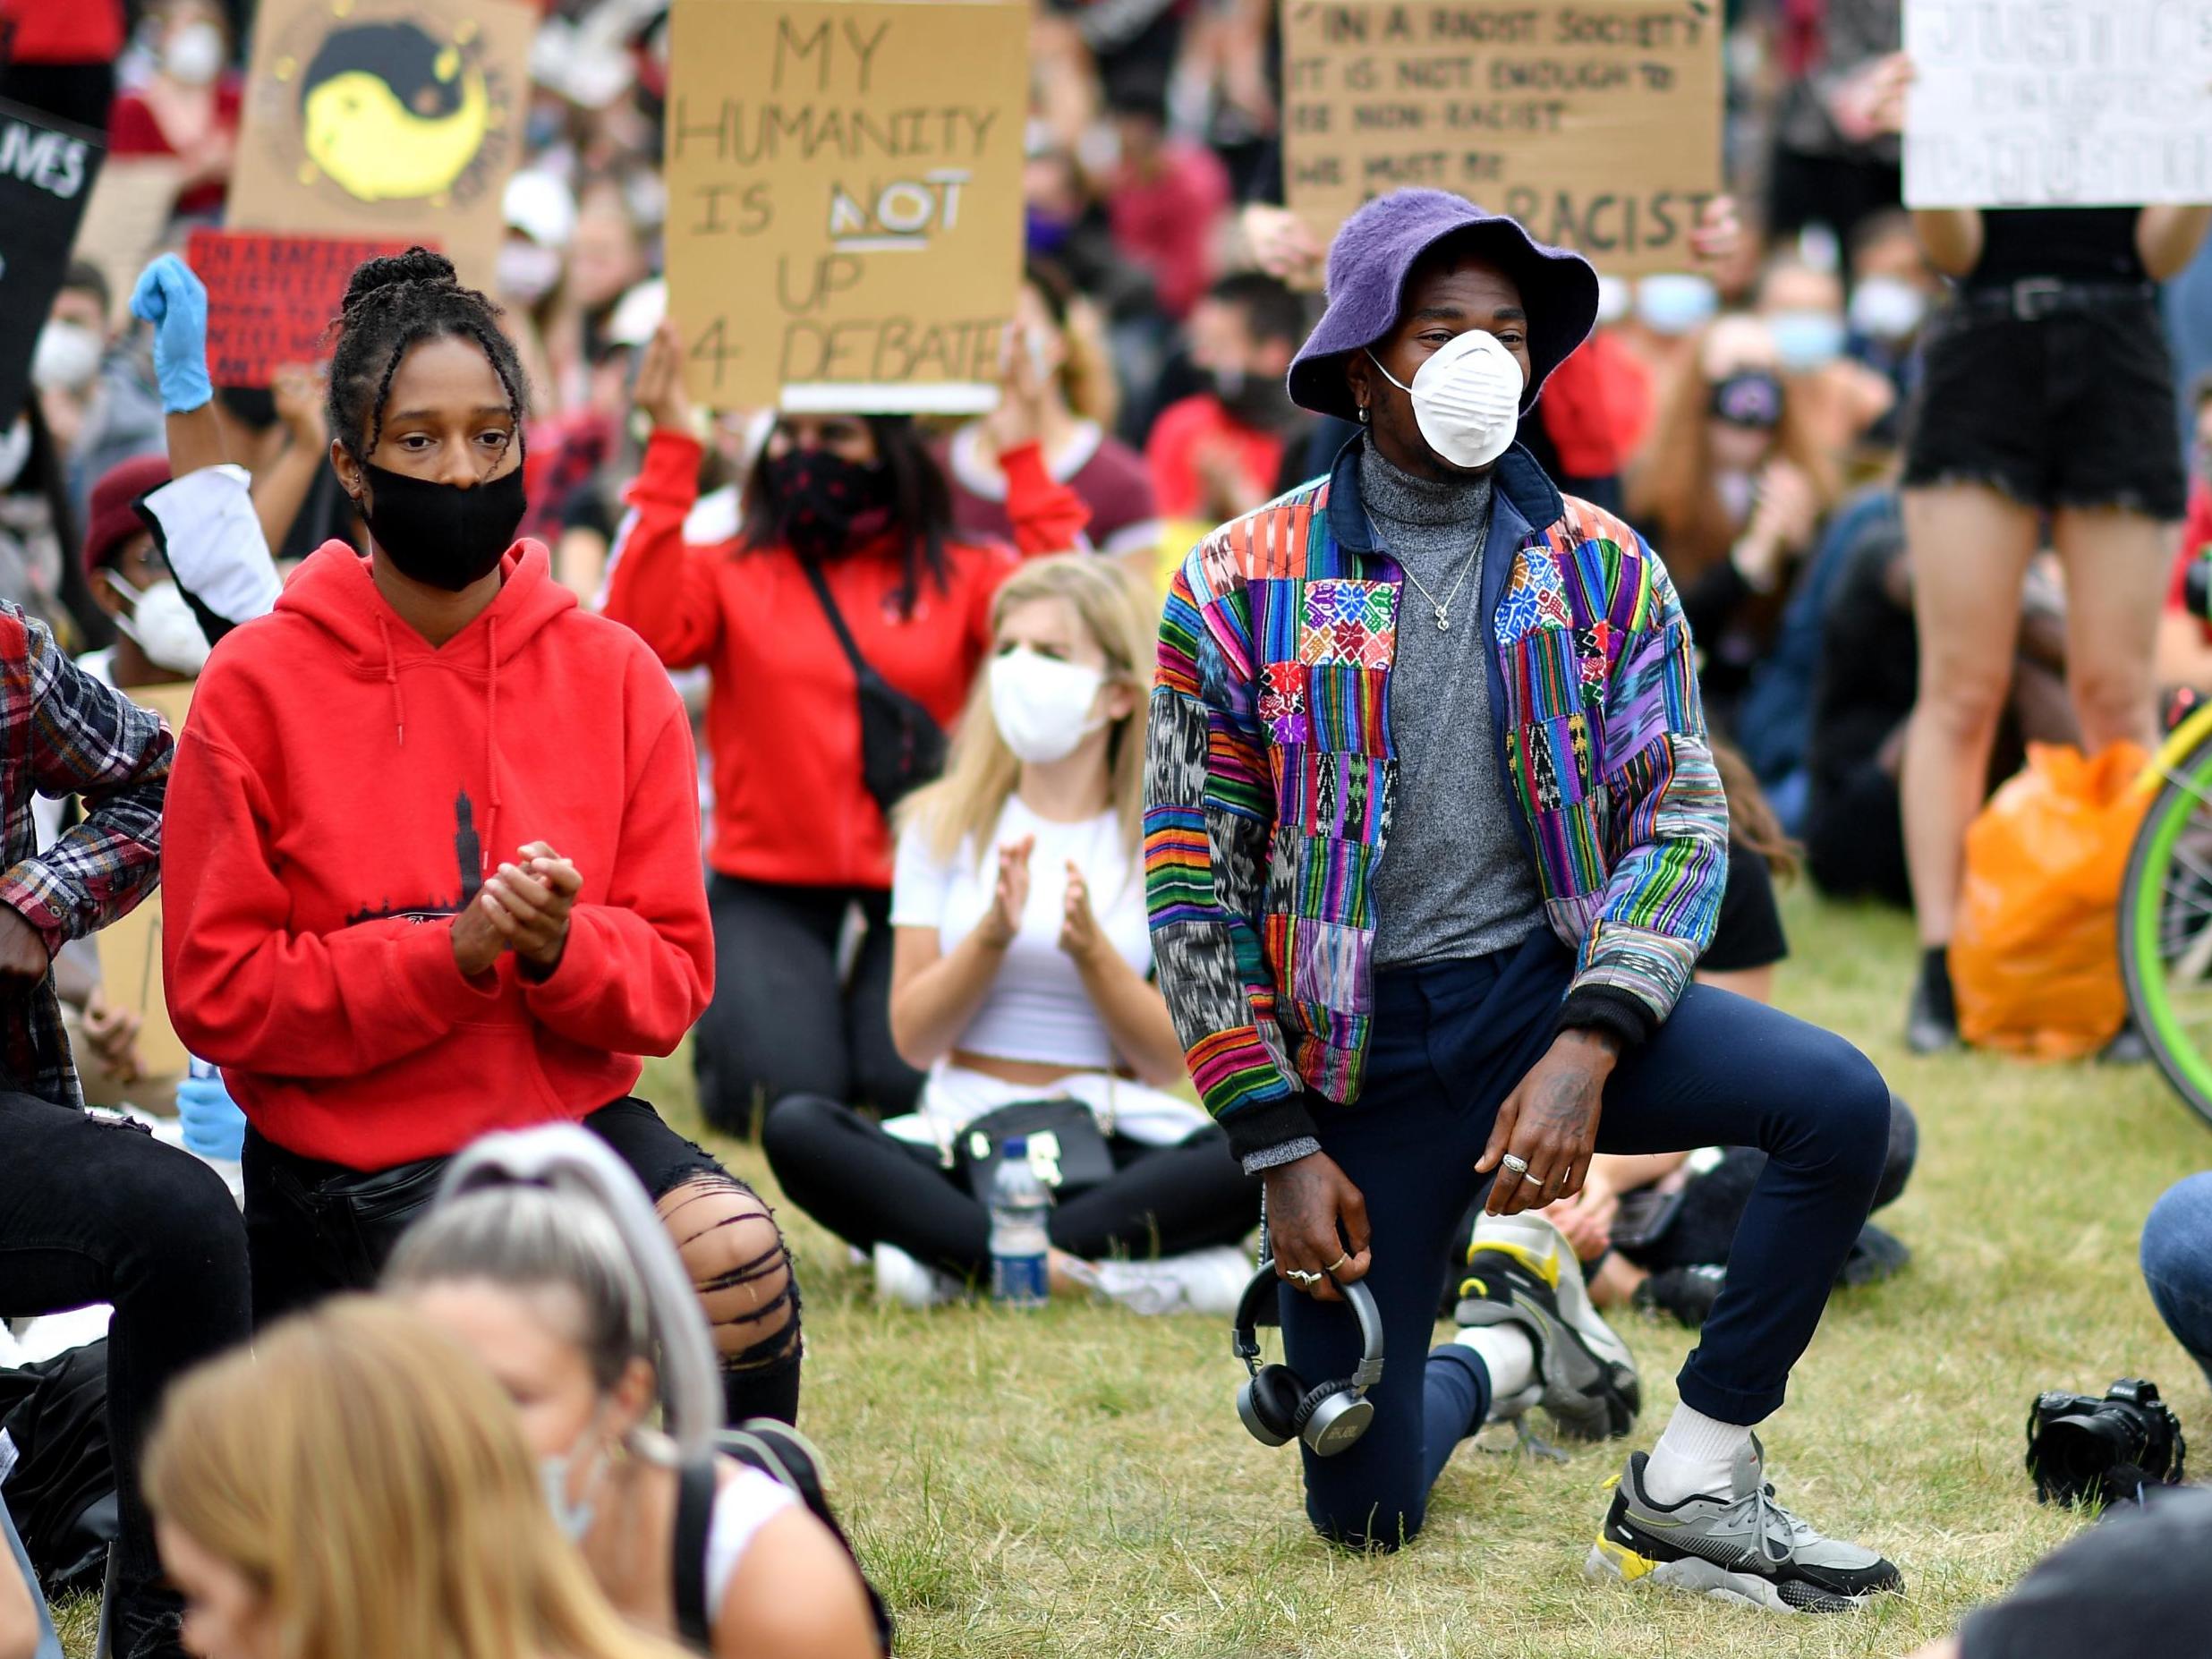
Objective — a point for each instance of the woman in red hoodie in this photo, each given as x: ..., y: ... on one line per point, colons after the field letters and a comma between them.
x: 856, y: 503
x: 432, y: 861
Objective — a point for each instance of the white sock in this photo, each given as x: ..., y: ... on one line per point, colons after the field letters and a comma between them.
x: 1695, y: 1457
x: 1506, y: 1353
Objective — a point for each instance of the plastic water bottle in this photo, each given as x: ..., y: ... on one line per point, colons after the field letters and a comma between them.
x: 1019, y: 1204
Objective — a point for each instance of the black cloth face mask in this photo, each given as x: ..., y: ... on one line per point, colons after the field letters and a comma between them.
x: 824, y: 503
x: 442, y: 535
x: 1259, y: 401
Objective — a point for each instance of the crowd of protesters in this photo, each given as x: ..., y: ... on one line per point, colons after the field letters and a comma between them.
x: 524, y: 741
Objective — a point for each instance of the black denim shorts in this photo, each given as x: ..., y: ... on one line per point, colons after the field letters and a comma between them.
x: 2072, y: 409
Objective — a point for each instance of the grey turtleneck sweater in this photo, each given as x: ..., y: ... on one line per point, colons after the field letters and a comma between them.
x: 1453, y: 881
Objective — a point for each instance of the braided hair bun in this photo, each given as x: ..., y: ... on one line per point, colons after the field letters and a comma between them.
x: 417, y: 264
x: 391, y: 305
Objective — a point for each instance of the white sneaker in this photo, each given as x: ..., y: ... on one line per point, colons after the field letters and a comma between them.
x: 1521, y: 1272
x: 1199, y: 1282
x: 900, y: 1279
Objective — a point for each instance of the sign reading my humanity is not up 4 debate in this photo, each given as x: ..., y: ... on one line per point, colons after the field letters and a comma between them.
x: 845, y: 200
x: 1598, y: 124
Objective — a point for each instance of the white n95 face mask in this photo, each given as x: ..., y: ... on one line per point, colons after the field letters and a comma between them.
x: 1465, y: 397
x: 164, y: 627
x: 1043, y: 708
x: 66, y: 357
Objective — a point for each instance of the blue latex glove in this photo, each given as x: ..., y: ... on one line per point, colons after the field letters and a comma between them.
x: 171, y: 298
x: 214, y: 1127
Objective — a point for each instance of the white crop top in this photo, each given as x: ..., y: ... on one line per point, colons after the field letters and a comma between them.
x: 1037, y: 1008
x: 743, y: 1503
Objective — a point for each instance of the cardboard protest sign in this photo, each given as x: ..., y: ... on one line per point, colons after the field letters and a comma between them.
x: 2023, y: 103
x: 1597, y: 125
x: 126, y: 219
x: 390, y: 119
x: 845, y: 200
x: 130, y: 949
x: 270, y: 298
x: 46, y: 170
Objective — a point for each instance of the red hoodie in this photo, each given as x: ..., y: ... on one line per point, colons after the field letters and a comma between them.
x: 783, y: 718
x: 342, y: 787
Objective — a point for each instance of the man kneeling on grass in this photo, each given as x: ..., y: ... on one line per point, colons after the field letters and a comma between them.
x: 1434, y: 645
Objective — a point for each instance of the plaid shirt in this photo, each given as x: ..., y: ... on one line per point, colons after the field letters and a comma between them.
x: 61, y: 733
x: 1270, y: 770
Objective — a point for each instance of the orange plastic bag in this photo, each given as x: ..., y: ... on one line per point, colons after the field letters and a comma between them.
x: 2035, y: 959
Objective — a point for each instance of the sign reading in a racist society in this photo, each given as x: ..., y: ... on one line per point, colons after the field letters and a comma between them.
x: 845, y: 200
x: 1597, y: 125
x: 46, y: 178
x: 397, y: 120
x: 271, y: 297
x: 2027, y: 104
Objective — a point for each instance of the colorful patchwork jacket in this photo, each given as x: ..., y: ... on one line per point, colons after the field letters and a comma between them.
x: 1270, y: 769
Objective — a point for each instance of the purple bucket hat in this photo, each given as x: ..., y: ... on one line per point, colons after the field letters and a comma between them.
x: 1368, y: 263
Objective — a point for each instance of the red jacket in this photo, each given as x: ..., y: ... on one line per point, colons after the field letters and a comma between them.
x: 783, y: 720
x: 342, y: 787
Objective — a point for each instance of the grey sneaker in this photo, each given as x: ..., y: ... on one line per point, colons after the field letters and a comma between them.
x: 1745, y: 1547
x: 1521, y: 1272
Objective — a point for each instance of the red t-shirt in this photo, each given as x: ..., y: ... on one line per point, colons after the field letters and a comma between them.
x: 61, y: 31
x: 1183, y: 432
x: 1166, y: 223
x: 132, y: 131
x: 1108, y: 476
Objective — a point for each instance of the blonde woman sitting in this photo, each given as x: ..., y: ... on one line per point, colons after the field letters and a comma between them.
x: 357, y: 1487
x: 1022, y: 970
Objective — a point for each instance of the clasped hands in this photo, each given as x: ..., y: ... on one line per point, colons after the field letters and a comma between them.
x: 522, y: 907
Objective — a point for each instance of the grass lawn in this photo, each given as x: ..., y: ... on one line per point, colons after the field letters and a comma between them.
x: 1076, y: 1482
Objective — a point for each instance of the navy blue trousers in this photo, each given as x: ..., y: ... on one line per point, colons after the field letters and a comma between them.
x: 1450, y: 1041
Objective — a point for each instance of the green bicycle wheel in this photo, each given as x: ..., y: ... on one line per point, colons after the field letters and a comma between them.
x: 2166, y: 929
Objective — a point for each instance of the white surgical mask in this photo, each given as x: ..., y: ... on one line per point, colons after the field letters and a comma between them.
x: 1615, y: 297
x: 193, y: 54
x: 1043, y: 706
x: 1806, y: 340
x: 1674, y: 303
x: 1465, y: 397
x: 66, y: 357
x: 1043, y: 346
x: 164, y: 626
x: 15, y: 452
x: 575, y: 1517
x: 1887, y: 308
x: 526, y: 272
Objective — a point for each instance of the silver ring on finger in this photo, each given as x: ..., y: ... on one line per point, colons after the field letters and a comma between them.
x: 1515, y: 1163
x: 1301, y: 1276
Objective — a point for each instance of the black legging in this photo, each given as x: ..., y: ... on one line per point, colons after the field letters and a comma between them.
x: 782, y: 1022
x: 95, y: 1211
x: 870, y: 1188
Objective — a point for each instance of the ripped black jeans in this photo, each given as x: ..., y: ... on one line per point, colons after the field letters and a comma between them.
x: 312, y: 1231
x: 95, y: 1211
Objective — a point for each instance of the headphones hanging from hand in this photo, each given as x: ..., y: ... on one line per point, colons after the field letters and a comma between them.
x: 1275, y: 1403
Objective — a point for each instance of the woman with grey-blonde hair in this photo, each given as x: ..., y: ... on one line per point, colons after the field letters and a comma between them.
x: 544, y: 1256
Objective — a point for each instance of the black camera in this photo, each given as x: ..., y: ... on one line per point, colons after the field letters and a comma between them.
x: 2196, y: 584
x: 2084, y: 1449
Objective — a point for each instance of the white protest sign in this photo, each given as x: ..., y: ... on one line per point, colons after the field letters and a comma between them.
x: 2058, y: 103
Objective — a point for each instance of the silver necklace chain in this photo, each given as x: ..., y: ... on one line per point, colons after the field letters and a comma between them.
x: 1442, y: 608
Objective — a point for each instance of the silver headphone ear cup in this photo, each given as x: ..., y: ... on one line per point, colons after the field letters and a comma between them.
x: 1334, y: 1421
x: 1248, y: 1413
x: 1269, y: 1404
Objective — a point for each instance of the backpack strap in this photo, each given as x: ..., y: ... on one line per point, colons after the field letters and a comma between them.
x: 694, y: 1517
x: 787, y: 1457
